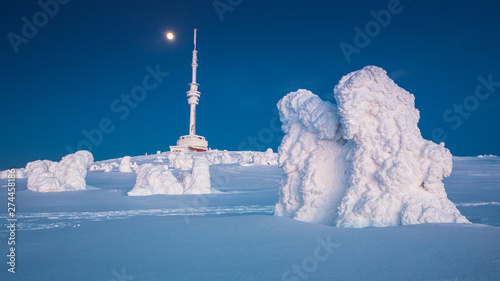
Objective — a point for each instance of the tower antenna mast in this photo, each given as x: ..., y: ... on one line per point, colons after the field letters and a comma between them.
x: 193, y: 93
x: 192, y: 142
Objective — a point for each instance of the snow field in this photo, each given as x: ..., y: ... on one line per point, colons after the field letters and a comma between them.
x: 152, y: 237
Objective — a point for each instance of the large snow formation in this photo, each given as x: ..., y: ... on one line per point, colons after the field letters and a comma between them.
x: 364, y: 162
x: 312, y: 155
x: 158, y: 179
x: 67, y: 175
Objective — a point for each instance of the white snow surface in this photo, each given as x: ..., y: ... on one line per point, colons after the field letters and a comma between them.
x: 19, y: 173
x: 266, y: 158
x: 185, y: 161
x: 155, y: 179
x: 158, y: 179
x: 198, y: 237
x: 125, y: 165
x: 488, y: 155
x: 198, y: 182
x: 67, y: 175
x: 312, y: 155
x: 364, y: 162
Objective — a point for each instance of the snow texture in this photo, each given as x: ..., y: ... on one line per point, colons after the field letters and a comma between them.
x: 198, y: 182
x: 20, y: 173
x: 125, y: 165
x: 228, y: 230
x: 486, y: 156
x: 67, y: 175
x: 363, y: 163
x: 155, y: 179
x: 185, y: 161
x: 312, y: 156
x: 266, y: 158
x: 158, y: 179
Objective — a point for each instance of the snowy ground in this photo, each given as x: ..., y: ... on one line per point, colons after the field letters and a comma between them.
x: 103, y: 234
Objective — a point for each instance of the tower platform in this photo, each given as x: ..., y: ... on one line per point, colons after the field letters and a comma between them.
x: 190, y: 143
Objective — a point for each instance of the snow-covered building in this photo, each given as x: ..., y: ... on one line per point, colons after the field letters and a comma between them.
x: 192, y: 142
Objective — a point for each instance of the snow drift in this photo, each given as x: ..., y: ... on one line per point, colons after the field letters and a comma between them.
x: 67, y: 175
x: 364, y: 162
x: 158, y: 179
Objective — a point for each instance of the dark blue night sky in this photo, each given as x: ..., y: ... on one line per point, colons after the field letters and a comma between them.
x: 71, y: 74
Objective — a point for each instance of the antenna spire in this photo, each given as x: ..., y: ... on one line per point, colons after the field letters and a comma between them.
x: 195, y: 38
x: 193, y: 93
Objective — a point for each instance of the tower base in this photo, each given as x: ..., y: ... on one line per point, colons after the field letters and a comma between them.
x: 190, y: 143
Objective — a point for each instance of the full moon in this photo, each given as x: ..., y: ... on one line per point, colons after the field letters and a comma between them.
x: 170, y: 36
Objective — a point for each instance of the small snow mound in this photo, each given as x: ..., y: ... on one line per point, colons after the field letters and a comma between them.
x: 125, y: 165
x: 160, y: 158
x: 199, y: 180
x: 67, y: 175
x: 19, y: 173
x: 185, y: 161
x: 158, y: 179
x: 182, y: 160
x: 265, y: 158
x: 228, y: 159
x: 494, y: 203
x: 153, y: 179
x: 41, y: 178
x: 107, y: 167
x: 214, y: 157
x: 246, y: 157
